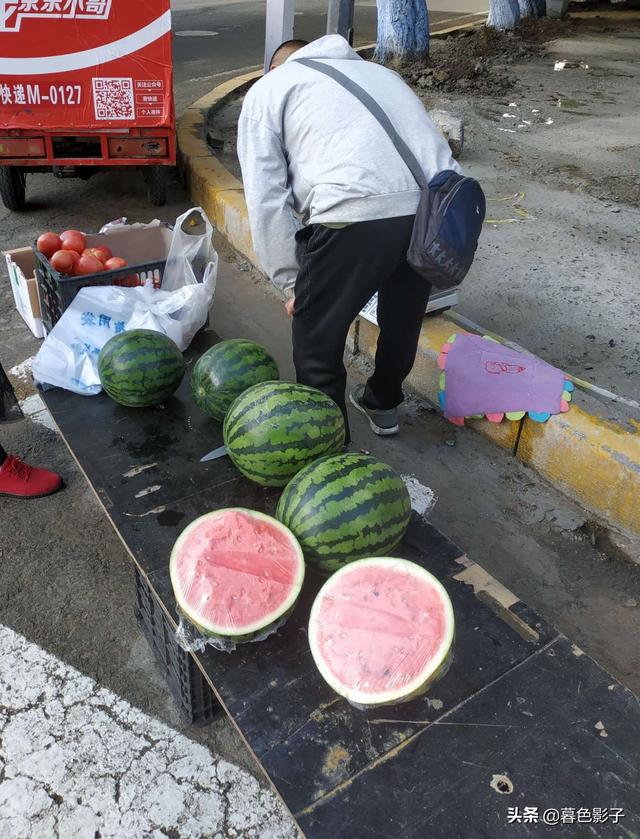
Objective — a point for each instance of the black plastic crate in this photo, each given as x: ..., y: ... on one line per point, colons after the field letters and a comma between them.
x: 191, y: 691
x: 58, y: 290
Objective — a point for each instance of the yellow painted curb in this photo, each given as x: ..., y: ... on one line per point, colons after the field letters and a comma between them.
x: 594, y: 461
x: 591, y: 459
x: 191, y: 143
x: 210, y: 185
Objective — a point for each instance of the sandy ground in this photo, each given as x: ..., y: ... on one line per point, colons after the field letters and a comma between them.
x: 562, y: 282
x: 557, y: 272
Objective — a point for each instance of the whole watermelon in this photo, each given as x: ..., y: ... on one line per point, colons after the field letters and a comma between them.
x: 345, y: 507
x: 274, y: 429
x: 140, y: 368
x: 227, y: 370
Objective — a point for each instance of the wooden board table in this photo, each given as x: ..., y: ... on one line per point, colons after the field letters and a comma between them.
x: 522, y: 719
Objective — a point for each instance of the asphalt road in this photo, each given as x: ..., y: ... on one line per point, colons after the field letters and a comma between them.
x: 211, y: 40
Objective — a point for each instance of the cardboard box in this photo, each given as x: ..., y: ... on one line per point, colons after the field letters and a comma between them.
x: 439, y: 299
x: 21, y: 268
x: 135, y: 244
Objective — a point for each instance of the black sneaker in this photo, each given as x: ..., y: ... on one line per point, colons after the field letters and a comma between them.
x: 383, y: 423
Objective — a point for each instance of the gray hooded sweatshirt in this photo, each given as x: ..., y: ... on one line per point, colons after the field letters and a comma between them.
x: 313, y: 154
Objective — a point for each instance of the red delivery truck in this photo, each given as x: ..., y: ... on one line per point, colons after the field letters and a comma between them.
x: 85, y: 84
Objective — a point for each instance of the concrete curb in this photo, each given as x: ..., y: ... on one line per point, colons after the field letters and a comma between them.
x: 593, y: 460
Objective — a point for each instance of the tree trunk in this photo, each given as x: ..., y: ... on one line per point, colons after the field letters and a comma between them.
x: 403, y: 30
x: 503, y: 14
x: 528, y: 8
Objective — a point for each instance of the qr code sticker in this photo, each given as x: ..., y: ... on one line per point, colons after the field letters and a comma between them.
x: 113, y: 98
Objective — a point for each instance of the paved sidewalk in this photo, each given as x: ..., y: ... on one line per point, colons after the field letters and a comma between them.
x: 78, y: 762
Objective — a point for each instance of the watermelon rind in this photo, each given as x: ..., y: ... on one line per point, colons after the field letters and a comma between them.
x: 430, y: 673
x: 345, y: 507
x: 226, y: 370
x: 140, y: 368
x: 237, y: 633
x: 274, y: 429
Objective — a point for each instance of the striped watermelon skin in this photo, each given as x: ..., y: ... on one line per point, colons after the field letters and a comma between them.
x: 140, y: 368
x: 227, y: 370
x: 274, y: 429
x: 344, y: 508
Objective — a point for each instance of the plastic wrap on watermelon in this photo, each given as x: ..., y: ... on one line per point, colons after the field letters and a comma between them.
x: 236, y: 575
x: 193, y: 640
x: 381, y: 631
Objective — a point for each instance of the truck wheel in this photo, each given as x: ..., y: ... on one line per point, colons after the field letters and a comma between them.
x: 156, y: 178
x: 13, y: 182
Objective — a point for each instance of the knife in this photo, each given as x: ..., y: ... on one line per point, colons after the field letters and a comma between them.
x: 221, y: 451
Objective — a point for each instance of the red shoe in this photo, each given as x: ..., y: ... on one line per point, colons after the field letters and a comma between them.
x: 23, y: 481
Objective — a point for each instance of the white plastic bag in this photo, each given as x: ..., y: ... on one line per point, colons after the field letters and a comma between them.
x: 68, y: 358
x: 191, y: 250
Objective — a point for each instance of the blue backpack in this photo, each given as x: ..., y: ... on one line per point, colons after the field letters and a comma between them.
x: 446, y: 230
x: 451, y: 210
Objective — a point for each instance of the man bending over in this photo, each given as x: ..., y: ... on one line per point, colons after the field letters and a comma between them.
x: 331, y: 207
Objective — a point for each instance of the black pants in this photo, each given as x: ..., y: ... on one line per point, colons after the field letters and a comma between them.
x: 340, y: 270
x: 3, y: 455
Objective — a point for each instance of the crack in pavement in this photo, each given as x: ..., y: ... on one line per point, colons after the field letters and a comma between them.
x: 79, y: 762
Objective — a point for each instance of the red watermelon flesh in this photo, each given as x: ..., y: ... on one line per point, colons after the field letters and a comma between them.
x: 236, y: 572
x: 381, y: 631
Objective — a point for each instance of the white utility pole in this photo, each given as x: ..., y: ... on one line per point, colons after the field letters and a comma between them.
x: 340, y: 18
x: 278, y: 27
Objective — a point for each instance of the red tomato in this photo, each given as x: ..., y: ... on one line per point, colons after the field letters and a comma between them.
x: 74, y: 255
x: 88, y: 264
x: 48, y: 244
x: 74, y: 234
x: 63, y: 261
x: 73, y: 243
x: 114, y: 263
x: 101, y: 252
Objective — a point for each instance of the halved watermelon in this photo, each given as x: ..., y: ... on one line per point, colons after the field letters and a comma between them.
x: 236, y: 573
x: 381, y: 631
